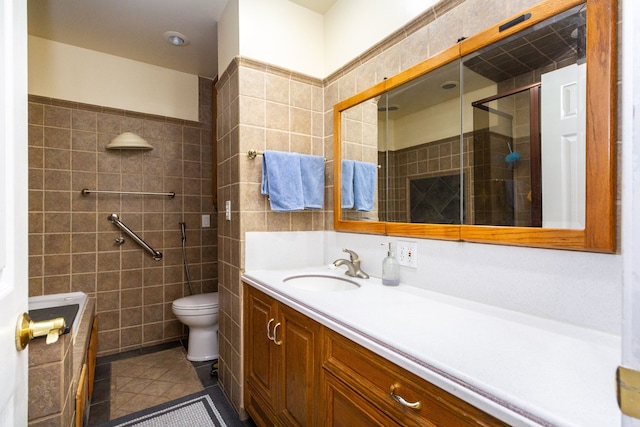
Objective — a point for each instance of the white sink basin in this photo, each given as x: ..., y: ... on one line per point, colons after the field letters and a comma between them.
x: 319, y: 283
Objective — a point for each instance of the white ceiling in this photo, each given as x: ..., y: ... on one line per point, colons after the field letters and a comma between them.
x: 320, y: 6
x: 134, y: 29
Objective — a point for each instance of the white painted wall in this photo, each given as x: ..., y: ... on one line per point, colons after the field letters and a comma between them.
x: 228, y: 35
x: 434, y: 123
x: 631, y: 190
x: 352, y: 26
x: 62, y: 71
x: 282, y: 33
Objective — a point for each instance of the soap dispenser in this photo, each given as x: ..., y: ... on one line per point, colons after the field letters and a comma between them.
x: 390, y: 269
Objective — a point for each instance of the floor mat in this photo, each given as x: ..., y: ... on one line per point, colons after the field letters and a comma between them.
x: 208, y: 408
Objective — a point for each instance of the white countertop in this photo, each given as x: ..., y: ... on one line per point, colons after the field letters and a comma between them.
x: 521, y: 369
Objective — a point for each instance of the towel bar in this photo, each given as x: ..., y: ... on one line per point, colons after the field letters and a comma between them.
x: 251, y: 154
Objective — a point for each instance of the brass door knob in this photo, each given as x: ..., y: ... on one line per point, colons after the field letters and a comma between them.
x: 27, y: 329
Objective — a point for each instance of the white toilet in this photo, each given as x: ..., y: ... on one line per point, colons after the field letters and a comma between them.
x: 200, y: 314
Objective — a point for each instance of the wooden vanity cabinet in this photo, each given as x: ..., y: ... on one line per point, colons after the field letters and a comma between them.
x: 300, y: 373
x: 417, y: 402
x: 281, y: 362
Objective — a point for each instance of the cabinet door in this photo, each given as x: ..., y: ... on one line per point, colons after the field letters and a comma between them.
x: 92, y: 354
x: 82, y: 396
x: 297, y: 338
x: 260, y: 351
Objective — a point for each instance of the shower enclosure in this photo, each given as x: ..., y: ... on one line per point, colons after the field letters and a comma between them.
x: 506, y: 158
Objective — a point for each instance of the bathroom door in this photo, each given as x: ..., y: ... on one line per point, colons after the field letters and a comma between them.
x: 563, y: 150
x: 13, y: 209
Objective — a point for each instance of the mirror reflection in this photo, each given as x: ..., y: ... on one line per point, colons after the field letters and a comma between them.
x: 495, y: 138
x: 528, y: 138
x: 420, y: 148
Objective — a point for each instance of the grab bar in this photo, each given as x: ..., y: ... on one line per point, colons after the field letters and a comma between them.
x: 86, y: 191
x: 113, y: 219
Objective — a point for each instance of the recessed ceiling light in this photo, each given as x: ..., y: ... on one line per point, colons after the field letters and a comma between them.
x: 449, y: 84
x: 176, y: 38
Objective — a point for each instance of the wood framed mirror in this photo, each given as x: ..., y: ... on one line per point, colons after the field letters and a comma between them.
x: 489, y: 122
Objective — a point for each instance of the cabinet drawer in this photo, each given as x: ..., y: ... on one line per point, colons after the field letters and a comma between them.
x: 346, y: 408
x: 374, y: 377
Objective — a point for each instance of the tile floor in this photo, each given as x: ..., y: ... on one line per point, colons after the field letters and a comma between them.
x: 136, y: 380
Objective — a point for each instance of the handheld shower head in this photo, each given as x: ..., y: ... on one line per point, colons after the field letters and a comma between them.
x: 183, y: 228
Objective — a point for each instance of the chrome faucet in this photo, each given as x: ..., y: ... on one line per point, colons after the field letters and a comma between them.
x: 353, y: 265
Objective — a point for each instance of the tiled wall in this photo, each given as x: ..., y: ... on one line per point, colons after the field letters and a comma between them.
x: 435, y: 158
x: 259, y: 107
x: 72, y: 245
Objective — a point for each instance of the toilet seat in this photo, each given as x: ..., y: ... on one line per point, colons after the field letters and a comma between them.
x: 194, y: 304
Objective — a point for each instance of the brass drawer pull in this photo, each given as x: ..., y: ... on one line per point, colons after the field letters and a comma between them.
x: 400, y: 399
x: 271, y: 338
x: 275, y: 340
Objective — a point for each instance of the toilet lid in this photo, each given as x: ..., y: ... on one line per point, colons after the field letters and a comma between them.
x: 207, y: 300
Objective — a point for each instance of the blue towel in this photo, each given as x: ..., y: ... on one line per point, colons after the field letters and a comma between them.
x: 364, y: 185
x: 347, y: 184
x: 312, y: 173
x: 282, y: 181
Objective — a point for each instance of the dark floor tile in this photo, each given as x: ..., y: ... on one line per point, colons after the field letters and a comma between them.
x: 160, y: 347
x: 249, y: 423
x: 99, y: 413
x: 204, y: 373
x: 104, y: 360
x: 205, y: 363
x: 137, y: 352
x: 103, y: 371
x: 101, y: 391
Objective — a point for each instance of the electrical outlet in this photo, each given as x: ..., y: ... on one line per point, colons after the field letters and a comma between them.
x: 206, y: 221
x: 407, y: 254
x: 227, y: 210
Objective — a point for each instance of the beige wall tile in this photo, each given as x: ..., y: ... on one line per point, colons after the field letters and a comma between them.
x: 87, y: 258
x: 277, y: 87
x: 56, y: 284
x: 84, y: 120
x: 57, y: 117
x: 85, y: 282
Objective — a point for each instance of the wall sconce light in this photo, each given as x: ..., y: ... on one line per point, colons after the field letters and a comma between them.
x: 128, y: 141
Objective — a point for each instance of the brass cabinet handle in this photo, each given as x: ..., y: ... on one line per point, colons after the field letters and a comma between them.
x: 27, y: 329
x: 268, y: 329
x: 400, y: 399
x: 275, y: 340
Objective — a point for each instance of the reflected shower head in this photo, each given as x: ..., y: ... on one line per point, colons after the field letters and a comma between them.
x: 512, y: 157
